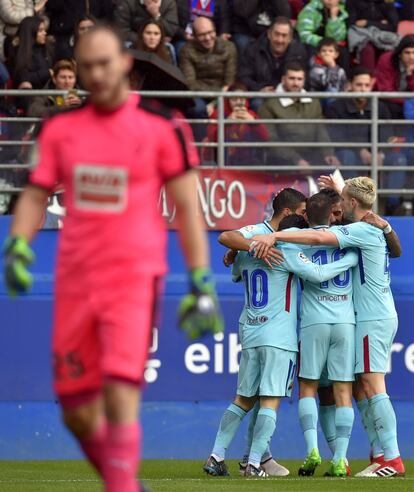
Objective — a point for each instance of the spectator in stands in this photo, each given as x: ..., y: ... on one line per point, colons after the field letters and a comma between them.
x: 129, y: 15
x: 33, y: 55
x: 356, y: 109
x: 85, y: 23
x: 372, y: 17
x: 395, y: 73
x: 208, y: 63
x: 262, y: 66
x: 65, y: 14
x: 12, y: 12
x: 151, y: 38
x: 63, y: 79
x: 248, y: 19
x: 324, y: 19
x: 237, y: 108
x: 325, y: 75
x: 298, y: 109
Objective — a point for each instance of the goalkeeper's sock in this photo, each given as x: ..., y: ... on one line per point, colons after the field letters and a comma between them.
x: 229, y: 425
x: 327, y: 421
x: 308, y: 416
x: 121, y: 457
x: 263, y: 432
x: 368, y: 423
x: 344, y: 420
x: 93, y: 445
x: 385, y: 424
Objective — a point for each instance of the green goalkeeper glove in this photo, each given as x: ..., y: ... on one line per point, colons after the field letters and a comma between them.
x: 199, y: 312
x: 17, y: 256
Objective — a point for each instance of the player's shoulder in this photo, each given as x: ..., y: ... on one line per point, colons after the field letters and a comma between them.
x: 155, y: 110
x: 253, y: 229
x: 356, y: 228
x: 63, y: 121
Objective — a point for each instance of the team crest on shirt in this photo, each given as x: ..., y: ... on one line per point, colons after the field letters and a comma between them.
x: 100, y: 188
x: 303, y: 257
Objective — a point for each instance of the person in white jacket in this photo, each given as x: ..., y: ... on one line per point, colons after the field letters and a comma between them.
x: 12, y: 12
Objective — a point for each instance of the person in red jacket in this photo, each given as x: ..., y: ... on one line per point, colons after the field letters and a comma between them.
x: 395, y: 73
x: 237, y: 108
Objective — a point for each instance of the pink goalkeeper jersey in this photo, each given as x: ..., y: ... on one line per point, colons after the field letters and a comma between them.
x: 112, y: 166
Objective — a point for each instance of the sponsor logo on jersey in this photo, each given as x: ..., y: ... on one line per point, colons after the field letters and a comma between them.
x: 303, y: 257
x: 100, y: 188
x: 344, y: 230
x: 333, y: 298
x: 259, y: 320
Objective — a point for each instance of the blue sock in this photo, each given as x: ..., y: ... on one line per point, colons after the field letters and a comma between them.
x: 308, y: 416
x: 344, y: 420
x: 385, y: 424
x: 249, y: 437
x: 263, y: 432
x: 229, y: 424
x: 368, y: 423
x: 327, y: 421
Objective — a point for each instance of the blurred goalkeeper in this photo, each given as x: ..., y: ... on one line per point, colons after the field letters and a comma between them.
x: 112, y: 156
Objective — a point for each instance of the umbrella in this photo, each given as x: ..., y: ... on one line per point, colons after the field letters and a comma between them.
x: 159, y: 75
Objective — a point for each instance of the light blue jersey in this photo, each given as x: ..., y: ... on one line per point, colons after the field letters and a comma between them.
x: 328, y: 302
x: 373, y: 298
x: 270, y: 311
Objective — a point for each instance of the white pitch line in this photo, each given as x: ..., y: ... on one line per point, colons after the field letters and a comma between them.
x: 216, y: 480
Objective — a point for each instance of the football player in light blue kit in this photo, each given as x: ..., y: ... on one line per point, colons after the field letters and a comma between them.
x: 376, y: 316
x: 327, y: 339
x: 269, y: 342
x: 285, y: 204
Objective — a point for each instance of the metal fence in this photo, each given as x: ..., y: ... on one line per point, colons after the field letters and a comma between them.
x: 378, y: 170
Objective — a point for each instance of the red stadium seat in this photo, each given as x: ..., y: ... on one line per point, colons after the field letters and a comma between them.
x: 405, y: 27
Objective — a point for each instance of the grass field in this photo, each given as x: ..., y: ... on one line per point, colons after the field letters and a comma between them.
x: 185, y: 476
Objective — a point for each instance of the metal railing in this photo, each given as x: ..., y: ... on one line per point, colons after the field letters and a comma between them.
x: 219, y: 147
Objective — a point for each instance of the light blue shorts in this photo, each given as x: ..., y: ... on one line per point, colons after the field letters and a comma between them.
x: 266, y: 371
x: 373, y: 345
x: 330, y: 346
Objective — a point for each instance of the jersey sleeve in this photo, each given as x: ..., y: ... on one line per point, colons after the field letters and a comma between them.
x: 250, y: 231
x: 297, y: 262
x: 178, y: 152
x: 236, y: 269
x: 45, y: 159
x: 352, y: 235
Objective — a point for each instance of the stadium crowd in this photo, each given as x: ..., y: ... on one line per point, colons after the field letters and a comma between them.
x: 253, y: 45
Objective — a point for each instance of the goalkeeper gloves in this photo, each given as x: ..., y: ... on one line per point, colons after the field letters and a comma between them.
x: 17, y: 256
x: 199, y: 312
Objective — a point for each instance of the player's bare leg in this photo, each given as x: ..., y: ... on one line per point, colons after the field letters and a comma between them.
x: 262, y: 435
x: 308, y: 416
x: 383, y: 415
x: 344, y: 420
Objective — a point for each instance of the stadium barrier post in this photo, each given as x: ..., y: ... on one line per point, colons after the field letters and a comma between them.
x: 220, y: 132
x: 374, y: 142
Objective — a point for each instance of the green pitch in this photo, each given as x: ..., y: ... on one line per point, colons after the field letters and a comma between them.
x: 186, y: 476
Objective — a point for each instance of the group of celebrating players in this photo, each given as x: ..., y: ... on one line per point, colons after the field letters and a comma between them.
x: 112, y: 156
x: 339, y: 251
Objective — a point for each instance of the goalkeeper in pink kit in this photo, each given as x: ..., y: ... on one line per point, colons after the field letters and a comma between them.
x: 112, y: 157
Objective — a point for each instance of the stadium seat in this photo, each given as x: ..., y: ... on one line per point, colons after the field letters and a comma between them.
x: 405, y: 27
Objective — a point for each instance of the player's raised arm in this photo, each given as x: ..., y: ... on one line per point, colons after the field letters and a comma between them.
x: 297, y: 262
x: 393, y: 241
x: 235, y: 240
x: 263, y: 242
